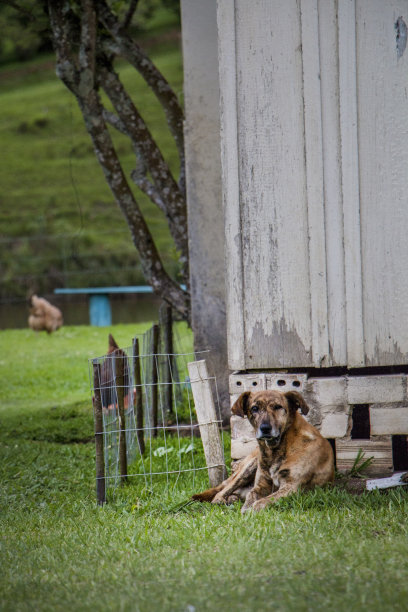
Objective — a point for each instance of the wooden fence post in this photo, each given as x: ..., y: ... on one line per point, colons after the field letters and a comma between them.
x: 139, y: 396
x: 166, y: 325
x: 119, y: 358
x: 154, y: 351
x: 207, y: 420
x: 98, y: 421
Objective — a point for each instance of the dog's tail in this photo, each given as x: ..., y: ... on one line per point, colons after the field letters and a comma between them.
x: 208, y: 495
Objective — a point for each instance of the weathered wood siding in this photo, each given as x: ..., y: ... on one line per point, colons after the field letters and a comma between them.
x: 315, y: 175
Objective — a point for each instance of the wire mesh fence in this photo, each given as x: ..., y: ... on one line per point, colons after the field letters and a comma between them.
x: 148, y: 425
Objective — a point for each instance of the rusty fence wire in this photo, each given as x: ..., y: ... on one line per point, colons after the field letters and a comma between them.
x: 146, y: 424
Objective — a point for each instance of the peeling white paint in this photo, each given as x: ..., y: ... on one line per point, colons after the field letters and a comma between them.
x: 314, y: 100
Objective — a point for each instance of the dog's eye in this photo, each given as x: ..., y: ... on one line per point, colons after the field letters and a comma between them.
x: 254, y: 409
x: 278, y: 407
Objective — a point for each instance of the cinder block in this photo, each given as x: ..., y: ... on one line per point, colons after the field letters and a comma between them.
x: 334, y: 425
x: 376, y: 389
x: 328, y: 391
x: 233, y: 398
x: 238, y: 383
x: 286, y: 382
x: 242, y: 447
x: 380, y: 449
x: 388, y: 420
x: 241, y: 428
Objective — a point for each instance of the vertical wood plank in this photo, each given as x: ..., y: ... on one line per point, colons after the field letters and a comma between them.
x: 350, y: 181
x: 119, y: 360
x: 329, y: 87
x: 272, y: 181
x: 155, y: 378
x: 314, y: 181
x: 383, y: 158
x: 207, y: 419
x: 230, y: 182
x: 139, y: 395
x: 98, y: 422
x: 166, y: 325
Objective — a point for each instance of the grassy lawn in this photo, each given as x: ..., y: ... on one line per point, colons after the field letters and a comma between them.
x: 324, y: 550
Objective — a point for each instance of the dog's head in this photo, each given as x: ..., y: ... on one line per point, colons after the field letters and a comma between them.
x: 270, y: 413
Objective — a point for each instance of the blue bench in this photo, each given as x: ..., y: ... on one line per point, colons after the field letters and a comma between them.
x: 100, y: 312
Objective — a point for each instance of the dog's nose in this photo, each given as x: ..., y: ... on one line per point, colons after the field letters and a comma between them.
x: 265, y: 428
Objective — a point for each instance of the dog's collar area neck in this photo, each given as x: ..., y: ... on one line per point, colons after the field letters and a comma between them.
x: 270, y: 442
x: 278, y: 441
x: 260, y: 436
x: 273, y: 442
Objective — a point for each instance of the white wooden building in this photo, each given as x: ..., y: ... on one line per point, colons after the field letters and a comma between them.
x: 314, y: 151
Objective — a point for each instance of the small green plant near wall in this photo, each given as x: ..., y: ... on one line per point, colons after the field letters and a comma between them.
x: 360, y: 465
x: 169, y: 454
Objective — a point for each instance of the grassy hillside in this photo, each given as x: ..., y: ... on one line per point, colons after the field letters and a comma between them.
x: 322, y: 550
x: 59, y: 223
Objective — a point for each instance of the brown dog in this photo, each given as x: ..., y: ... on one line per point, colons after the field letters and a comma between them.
x: 291, y: 453
x: 43, y: 315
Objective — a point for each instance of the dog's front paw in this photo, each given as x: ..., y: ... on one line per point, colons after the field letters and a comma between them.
x: 246, y: 508
x: 219, y: 499
x: 231, y: 499
x: 260, y: 505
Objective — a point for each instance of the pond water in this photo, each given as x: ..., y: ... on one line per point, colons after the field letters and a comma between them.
x: 125, y: 309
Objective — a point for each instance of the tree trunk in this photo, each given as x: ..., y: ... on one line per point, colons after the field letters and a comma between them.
x: 80, y: 45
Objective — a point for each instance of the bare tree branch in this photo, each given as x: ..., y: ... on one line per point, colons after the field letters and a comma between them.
x: 129, y: 15
x: 61, y: 18
x: 138, y: 175
x: 87, y: 44
x: 115, y: 122
x: 164, y: 184
x: 127, y: 47
x: 149, y: 189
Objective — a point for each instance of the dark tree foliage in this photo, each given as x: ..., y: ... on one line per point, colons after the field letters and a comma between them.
x: 24, y: 28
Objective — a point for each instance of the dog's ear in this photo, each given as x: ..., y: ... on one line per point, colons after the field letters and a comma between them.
x: 240, y: 408
x: 297, y: 401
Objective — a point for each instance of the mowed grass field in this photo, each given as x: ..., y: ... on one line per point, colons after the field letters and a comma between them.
x: 143, y: 551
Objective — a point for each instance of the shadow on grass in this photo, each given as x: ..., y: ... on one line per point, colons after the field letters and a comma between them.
x: 176, y: 499
x: 72, y: 424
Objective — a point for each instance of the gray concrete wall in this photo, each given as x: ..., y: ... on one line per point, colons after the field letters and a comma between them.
x: 204, y: 189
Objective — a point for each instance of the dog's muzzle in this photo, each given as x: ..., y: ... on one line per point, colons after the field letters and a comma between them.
x: 270, y: 434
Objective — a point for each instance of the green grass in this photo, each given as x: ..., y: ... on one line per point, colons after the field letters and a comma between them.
x: 60, y: 224
x: 145, y: 550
